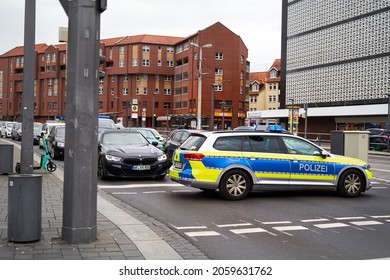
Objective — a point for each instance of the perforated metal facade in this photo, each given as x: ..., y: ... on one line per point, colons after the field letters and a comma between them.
x: 335, y: 52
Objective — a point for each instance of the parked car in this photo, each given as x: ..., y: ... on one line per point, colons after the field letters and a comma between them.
x: 150, y: 136
x: 158, y: 135
x: 16, y: 131
x: 56, y: 142
x: 106, y: 123
x: 378, y: 138
x: 236, y: 163
x: 46, y: 130
x: 6, y: 129
x: 177, y: 138
x: 37, y: 132
x: 127, y: 153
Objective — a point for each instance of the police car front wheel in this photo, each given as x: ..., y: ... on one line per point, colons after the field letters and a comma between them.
x: 235, y: 185
x: 351, y: 183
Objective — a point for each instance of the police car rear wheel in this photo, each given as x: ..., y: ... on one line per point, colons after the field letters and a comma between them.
x: 235, y: 185
x: 351, y: 183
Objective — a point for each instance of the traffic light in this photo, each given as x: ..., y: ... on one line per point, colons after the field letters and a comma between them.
x: 102, y: 73
x: 101, y: 5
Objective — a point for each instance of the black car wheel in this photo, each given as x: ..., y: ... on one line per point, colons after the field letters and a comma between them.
x: 350, y: 183
x: 235, y: 185
x: 102, y: 173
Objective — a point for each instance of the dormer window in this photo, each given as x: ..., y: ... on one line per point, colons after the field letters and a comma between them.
x: 255, y: 87
x: 273, y: 73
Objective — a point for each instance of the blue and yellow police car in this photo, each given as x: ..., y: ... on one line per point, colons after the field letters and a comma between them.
x: 238, y: 162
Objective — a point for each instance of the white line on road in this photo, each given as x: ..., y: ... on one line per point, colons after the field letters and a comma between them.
x: 202, y: 233
x: 289, y: 228
x: 381, y: 217
x: 366, y: 223
x: 124, y: 193
x: 234, y: 225
x: 190, y: 227
x: 154, y: 192
x: 315, y: 220
x: 350, y: 218
x: 331, y: 225
x: 133, y: 186
x: 249, y: 230
x: 276, y: 223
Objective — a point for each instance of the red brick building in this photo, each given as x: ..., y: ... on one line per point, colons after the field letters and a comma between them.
x: 150, y: 69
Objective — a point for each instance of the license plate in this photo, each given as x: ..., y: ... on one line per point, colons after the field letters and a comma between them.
x: 178, y: 164
x: 141, y: 167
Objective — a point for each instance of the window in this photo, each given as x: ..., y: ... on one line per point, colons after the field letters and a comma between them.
x: 125, y: 91
x: 170, y: 49
x: 301, y: 147
x: 169, y: 63
x: 168, y: 78
x: 159, y: 49
x: 262, y: 144
x: 146, y: 62
x: 145, y: 48
x: 218, y: 71
x: 100, y: 91
x: 112, y: 91
x: 125, y: 78
x: 255, y: 87
x: 242, y: 59
x: 159, y: 63
x: 218, y: 56
x: 145, y: 91
x: 218, y: 87
x: 121, y: 50
x: 273, y: 73
x: 121, y: 64
x: 230, y: 143
x: 134, y: 62
x: 167, y: 91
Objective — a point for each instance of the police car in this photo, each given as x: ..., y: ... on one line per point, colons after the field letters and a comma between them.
x: 238, y: 162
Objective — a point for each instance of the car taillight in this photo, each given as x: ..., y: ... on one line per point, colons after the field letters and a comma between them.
x: 194, y: 156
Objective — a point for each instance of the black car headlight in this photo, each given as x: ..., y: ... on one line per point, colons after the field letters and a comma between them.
x: 113, y: 158
x: 163, y: 157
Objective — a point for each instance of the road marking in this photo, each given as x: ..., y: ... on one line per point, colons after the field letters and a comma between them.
x: 350, y: 218
x: 381, y: 217
x: 290, y: 228
x: 249, y: 230
x: 133, y: 186
x: 190, y: 227
x: 182, y: 191
x: 315, y: 220
x: 380, y: 179
x: 235, y: 225
x: 331, y: 225
x: 154, y: 192
x: 276, y: 223
x: 124, y: 193
x: 366, y: 223
x: 382, y: 170
x: 202, y: 233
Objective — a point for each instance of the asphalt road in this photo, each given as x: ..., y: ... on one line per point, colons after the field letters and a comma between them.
x: 270, y: 225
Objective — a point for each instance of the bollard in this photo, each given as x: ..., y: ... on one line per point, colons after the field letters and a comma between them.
x: 6, y: 159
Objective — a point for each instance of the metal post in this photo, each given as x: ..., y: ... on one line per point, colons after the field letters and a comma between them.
x: 166, y: 124
x: 306, y: 109
x: 212, y: 107
x: 199, y: 107
x: 153, y: 108
x: 27, y: 159
x: 80, y: 180
x: 388, y: 122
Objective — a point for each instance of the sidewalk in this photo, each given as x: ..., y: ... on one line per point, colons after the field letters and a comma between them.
x: 123, y: 233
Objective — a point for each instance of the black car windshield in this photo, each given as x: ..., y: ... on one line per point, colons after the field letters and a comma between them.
x: 124, y: 139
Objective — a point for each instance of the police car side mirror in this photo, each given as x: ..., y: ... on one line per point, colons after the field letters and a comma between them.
x: 324, y: 154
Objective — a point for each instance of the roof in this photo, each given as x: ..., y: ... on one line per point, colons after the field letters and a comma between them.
x: 150, y: 39
x: 19, y: 51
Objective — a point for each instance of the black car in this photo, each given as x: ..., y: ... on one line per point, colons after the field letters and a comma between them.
x: 378, y: 138
x: 177, y: 138
x: 56, y: 141
x: 127, y: 153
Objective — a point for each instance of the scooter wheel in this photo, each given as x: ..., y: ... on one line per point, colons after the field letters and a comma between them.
x: 51, y: 167
x: 17, y: 167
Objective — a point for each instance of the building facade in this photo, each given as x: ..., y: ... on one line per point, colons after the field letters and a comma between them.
x: 336, y: 56
x: 158, y: 73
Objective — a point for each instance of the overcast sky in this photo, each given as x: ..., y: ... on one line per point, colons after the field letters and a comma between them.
x: 258, y: 22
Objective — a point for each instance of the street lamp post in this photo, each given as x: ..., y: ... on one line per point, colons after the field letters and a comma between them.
x: 212, y: 107
x: 154, y: 93
x: 199, y: 107
x: 166, y: 124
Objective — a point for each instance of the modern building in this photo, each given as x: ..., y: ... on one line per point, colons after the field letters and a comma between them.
x: 336, y: 59
x: 148, y: 80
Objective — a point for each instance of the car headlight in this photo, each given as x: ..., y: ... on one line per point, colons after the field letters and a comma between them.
x: 113, y: 158
x: 163, y: 157
x: 60, y: 144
